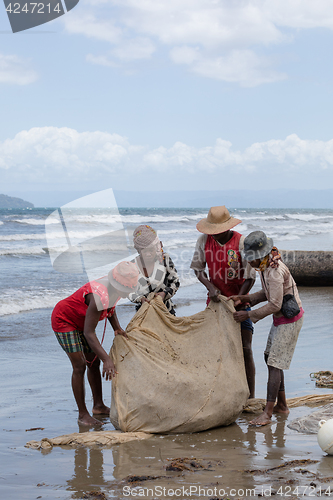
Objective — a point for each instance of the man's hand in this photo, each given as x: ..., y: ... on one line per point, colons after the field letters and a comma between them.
x: 143, y: 299
x: 240, y: 316
x: 109, y: 370
x: 239, y: 299
x: 162, y: 294
x: 213, y: 294
x: 120, y: 331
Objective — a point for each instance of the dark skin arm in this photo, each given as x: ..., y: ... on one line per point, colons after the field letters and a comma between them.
x: 240, y: 316
x: 90, y: 323
x: 213, y: 292
x: 114, y: 322
x: 244, y: 289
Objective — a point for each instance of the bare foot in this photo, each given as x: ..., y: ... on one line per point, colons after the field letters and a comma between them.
x: 88, y: 420
x: 281, y: 409
x: 262, y: 419
x: 101, y: 410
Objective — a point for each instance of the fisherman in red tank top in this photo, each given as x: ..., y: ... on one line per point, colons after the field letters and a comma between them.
x: 219, y: 249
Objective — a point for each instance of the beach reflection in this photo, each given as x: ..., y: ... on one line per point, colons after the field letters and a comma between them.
x: 88, y: 471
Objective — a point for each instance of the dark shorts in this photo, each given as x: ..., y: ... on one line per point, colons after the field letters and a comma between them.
x: 73, y: 341
x: 247, y: 324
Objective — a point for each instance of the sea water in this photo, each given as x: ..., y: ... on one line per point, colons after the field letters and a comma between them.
x: 30, y: 283
x: 35, y: 373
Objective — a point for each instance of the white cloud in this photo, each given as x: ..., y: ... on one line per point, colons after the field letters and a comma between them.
x: 15, y: 70
x: 88, y: 25
x: 240, y: 66
x: 58, y: 156
x: 135, y: 48
x: 101, y: 61
x: 213, y: 38
x: 300, y: 14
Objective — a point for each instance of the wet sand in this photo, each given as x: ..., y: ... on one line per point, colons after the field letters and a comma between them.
x: 35, y: 388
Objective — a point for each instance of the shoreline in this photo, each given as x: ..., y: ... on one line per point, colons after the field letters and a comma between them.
x: 36, y: 393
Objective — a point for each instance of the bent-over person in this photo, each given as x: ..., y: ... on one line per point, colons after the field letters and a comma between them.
x: 276, y: 282
x: 74, y: 320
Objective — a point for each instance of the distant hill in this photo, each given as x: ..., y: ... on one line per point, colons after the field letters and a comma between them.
x: 11, y: 202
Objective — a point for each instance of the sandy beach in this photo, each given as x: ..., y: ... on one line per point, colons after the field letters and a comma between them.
x: 36, y: 393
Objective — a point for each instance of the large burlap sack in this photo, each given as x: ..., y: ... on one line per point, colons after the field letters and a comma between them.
x: 178, y: 374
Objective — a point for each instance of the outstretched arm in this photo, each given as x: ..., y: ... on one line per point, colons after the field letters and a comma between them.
x: 213, y: 292
x: 91, y: 320
x: 114, y: 322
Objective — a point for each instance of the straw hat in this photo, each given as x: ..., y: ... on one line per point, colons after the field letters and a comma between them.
x: 217, y: 221
x: 256, y: 246
x: 124, y: 277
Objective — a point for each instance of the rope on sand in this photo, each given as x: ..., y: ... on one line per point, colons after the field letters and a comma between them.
x: 256, y: 405
x: 323, y: 379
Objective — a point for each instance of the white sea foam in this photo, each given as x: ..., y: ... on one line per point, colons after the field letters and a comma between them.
x: 187, y: 279
x: 35, y: 222
x: 16, y: 301
x: 309, y: 217
x: 182, y: 230
x: 122, y: 218
x: 263, y: 217
x: 54, y: 235
x: 32, y: 250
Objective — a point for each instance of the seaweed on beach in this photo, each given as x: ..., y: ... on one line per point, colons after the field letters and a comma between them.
x: 95, y: 495
x: 189, y: 464
x: 291, y: 463
x: 323, y: 378
x: 137, y: 479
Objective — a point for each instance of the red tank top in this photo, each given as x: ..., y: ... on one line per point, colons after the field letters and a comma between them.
x: 69, y: 314
x: 225, y: 265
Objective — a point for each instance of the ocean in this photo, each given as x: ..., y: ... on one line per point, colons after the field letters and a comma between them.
x: 35, y: 372
x: 29, y: 282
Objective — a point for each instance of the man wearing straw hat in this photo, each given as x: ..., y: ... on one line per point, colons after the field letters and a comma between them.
x: 219, y: 248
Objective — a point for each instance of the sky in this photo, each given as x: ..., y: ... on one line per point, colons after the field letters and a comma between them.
x: 169, y: 95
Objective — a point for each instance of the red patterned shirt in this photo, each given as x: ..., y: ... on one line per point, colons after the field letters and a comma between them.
x: 70, y: 313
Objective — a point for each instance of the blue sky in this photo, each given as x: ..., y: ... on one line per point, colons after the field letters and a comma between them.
x: 169, y: 94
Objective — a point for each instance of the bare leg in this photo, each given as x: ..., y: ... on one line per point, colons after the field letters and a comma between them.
x: 79, y: 367
x: 273, y: 386
x: 95, y: 382
x: 248, y: 360
x: 281, y: 405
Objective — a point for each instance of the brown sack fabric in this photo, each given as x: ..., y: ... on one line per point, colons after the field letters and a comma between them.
x: 178, y: 374
x: 101, y: 438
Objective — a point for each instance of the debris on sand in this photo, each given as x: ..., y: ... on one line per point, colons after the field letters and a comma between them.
x: 257, y: 405
x: 138, y: 479
x: 190, y: 464
x: 95, y: 495
x: 291, y: 463
x: 323, y: 378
